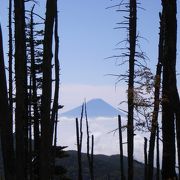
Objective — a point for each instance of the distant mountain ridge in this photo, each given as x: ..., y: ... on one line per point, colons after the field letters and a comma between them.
x: 95, y: 108
x: 105, y: 167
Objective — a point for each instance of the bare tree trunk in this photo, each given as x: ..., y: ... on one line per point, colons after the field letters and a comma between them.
x: 55, y: 130
x: 168, y: 163
x: 46, y: 123
x: 90, y: 157
x: 145, y: 159
x: 169, y: 87
x: 21, y: 89
x: 29, y: 140
x: 170, y: 53
x: 56, y: 93
x: 5, y: 123
x: 157, y: 158
x: 79, y: 151
x: 10, y: 65
x: 177, y: 113
x: 34, y: 96
x: 130, y: 130
x: 88, y: 140
x: 171, y: 23
x: 54, y: 115
x: 121, y: 148
x: 171, y: 31
x: 156, y: 102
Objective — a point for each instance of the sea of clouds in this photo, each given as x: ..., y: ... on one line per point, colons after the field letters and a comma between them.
x: 106, y: 139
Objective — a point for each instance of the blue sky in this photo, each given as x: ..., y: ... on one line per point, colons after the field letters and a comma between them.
x: 87, y: 37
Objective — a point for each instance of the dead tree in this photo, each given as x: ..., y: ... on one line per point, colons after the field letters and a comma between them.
x: 156, y: 102
x: 5, y: 122
x: 145, y: 159
x: 54, y: 115
x: 46, y: 123
x: 132, y: 49
x: 168, y: 90
x: 10, y: 68
x: 90, y: 157
x: 121, y: 148
x: 79, y: 136
x: 170, y: 8
x: 79, y: 140
x: 29, y: 140
x: 129, y: 54
x: 36, y: 114
x: 157, y: 156
x: 21, y: 89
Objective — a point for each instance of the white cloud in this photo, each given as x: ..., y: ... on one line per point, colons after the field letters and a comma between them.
x: 105, y: 142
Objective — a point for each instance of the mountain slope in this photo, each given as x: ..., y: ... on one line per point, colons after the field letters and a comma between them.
x: 95, y: 108
x: 105, y: 167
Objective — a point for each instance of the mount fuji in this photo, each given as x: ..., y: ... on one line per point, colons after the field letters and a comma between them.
x: 95, y: 108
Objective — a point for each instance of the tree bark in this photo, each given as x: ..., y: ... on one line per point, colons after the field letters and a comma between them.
x: 130, y: 129
x: 157, y: 156
x: 5, y: 123
x: 10, y: 65
x: 21, y: 89
x: 90, y: 157
x: 34, y: 96
x: 145, y: 159
x: 121, y: 148
x: 29, y: 140
x: 54, y: 114
x: 168, y: 134
x: 171, y: 51
x: 46, y: 123
x: 169, y: 86
x: 79, y: 151
x: 56, y: 93
x: 156, y: 102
